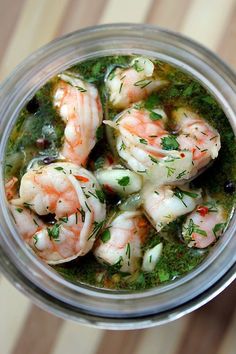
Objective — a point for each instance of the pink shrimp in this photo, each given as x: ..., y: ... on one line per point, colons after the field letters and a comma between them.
x: 204, y: 225
x: 70, y: 193
x: 139, y: 139
x: 79, y: 105
x: 121, y: 241
x: 196, y: 135
x: 127, y: 86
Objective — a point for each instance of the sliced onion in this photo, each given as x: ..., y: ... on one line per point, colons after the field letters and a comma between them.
x: 151, y: 257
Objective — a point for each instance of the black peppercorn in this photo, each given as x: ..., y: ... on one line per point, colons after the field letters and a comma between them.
x: 49, y: 159
x: 33, y: 105
x: 48, y: 218
x: 229, y: 187
x: 42, y: 143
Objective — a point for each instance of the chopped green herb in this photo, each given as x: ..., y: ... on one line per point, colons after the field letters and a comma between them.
x: 212, y: 206
x: 106, y: 235
x: 94, y: 195
x: 194, y: 228
x: 35, y: 237
x: 97, y: 228
x: 142, y: 83
x: 179, y: 193
x: 99, y: 163
x: 143, y: 141
x: 123, y: 146
x: 53, y: 233
x: 128, y: 250
x: 112, y: 75
x: 181, y: 174
x: 19, y: 210
x: 218, y: 229
x: 163, y: 275
x: 35, y: 222
x: 155, y: 116
x: 137, y: 66
x: 189, y: 90
x: 100, y: 195
x: 170, y: 170
x: 169, y: 143
x: 81, y: 89
x: 140, y: 171
x: 27, y: 205
x: 87, y: 206
x: 82, y: 212
x: 124, y: 181
x: 214, y: 137
x: 153, y: 159
x: 64, y: 219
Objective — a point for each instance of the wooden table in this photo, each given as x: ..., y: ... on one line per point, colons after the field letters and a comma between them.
x: 24, y: 328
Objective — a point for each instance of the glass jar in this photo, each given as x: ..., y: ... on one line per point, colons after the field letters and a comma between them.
x: 86, y: 304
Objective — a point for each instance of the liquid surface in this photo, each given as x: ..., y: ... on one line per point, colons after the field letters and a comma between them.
x: 39, y: 135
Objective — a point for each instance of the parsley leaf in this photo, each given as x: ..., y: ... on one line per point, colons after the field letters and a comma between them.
x: 191, y: 228
x: 124, y: 181
x: 100, y: 195
x: 143, y: 141
x: 106, y: 235
x: 19, y: 210
x: 218, y: 229
x: 53, y: 233
x: 169, y: 143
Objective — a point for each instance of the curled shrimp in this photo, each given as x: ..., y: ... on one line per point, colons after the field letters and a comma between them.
x: 142, y: 140
x: 79, y: 106
x: 204, y: 225
x: 120, y: 244
x: 126, y: 86
x: 197, y: 136
x: 139, y: 138
x: 73, y: 195
x: 164, y: 204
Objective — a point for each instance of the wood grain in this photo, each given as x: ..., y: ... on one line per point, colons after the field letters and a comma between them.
x: 168, y: 13
x: 38, y: 334
x: 125, y: 342
x: 227, y: 43
x: 206, y: 20
x: 208, y: 325
x: 80, y: 13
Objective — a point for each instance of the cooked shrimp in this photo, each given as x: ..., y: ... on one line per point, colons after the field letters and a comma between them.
x: 127, y: 86
x: 204, y: 225
x: 10, y: 188
x: 74, y: 196
x: 121, y: 242
x: 28, y: 223
x: 196, y: 135
x: 164, y: 204
x: 141, y: 140
x: 79, y: 106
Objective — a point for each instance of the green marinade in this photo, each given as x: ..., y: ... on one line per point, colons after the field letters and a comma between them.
x: 39, y: 120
